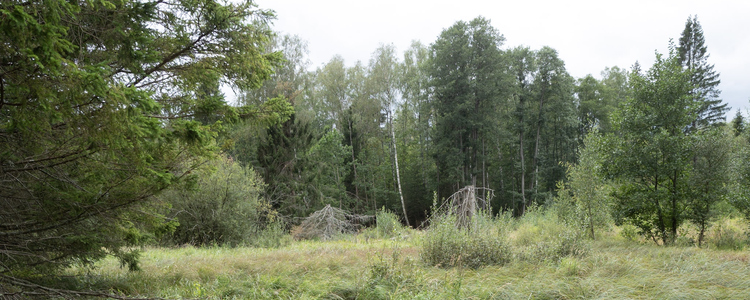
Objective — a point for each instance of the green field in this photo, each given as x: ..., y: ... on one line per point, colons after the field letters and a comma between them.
x: 361, y: 267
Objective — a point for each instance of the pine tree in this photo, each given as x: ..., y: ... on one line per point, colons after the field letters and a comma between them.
x: 738, y: 124
x: 694, y: 57
x: 467, y: 89
x: 102, y: 106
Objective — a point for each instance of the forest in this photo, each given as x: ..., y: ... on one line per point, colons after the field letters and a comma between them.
x: 119, y: 136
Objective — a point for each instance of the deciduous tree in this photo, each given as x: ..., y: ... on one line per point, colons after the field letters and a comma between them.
x: 650, y: 150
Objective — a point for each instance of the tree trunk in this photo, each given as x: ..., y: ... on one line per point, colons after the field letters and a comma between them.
x: 502, y: 176
x: 674, y: 207
x: 535, y: 183
x: 520, y: 154
x: 591, y: 218
x: 354, y: 163
x: 523, y: 175
x: 398, y: 177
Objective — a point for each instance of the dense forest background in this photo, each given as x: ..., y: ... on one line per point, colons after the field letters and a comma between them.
x: 116, y: 131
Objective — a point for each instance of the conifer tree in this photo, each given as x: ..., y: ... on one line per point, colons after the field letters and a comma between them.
x: 738, y: 124
x: 694, y: 57
x: 102, y: 106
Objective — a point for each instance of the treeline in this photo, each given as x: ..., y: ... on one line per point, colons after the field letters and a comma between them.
x: 421, y: 125
x: 645, y: 147
x: 402, y: 131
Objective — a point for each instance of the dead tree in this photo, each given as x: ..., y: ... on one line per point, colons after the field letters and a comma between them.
x: 330, y: 222
x: 465, y: 203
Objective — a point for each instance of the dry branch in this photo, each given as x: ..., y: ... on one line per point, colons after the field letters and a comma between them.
x: 330, y: 222
x: 465, y: 203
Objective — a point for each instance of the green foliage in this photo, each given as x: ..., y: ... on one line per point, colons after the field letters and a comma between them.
x: 104, y: 105
x: 388, y: 224
x: 328, y: 170
x: 540, y: 128
x: 278, y: 154
x: 446, y: 245
x: 738, y: 124
x: 629, y: 232
x: 693, y: 56
x: 712, y: 150
x: 223, y: 207
x: 274, y: 235
x: 740, y: 175
x: 729, y: 234
x: 650, y: 151
x: 598, y: 99
x: 467, y: 91
x: 541, y: 235
x: 584, y: 199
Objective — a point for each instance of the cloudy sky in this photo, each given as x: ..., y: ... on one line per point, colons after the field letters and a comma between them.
x: 588, y: 35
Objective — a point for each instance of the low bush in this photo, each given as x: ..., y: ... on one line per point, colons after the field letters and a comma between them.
x: 541, y: 235
x: 273, y: 236
x: 446, y: 245
x: 223, y: 206
x: 728, y: 234
x: 388, y: 224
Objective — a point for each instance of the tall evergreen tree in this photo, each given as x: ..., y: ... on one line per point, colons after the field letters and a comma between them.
x: 102, y: 106
x: 466, y: 74
x: 738, y: 124
x: 694, y: 57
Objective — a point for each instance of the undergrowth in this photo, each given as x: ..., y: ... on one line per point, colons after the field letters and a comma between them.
x: 446, y: 245
x: 533, y: 257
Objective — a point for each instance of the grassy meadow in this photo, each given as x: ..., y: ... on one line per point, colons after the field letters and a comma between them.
x: 397, y: 265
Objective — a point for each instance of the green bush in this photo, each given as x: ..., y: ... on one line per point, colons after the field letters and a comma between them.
x: 222, y: 207
x: 388, y: 224
x: 629, y: 232
x: 446, y: 245
x: 728, y: 234
x: 541, y: 235
x: 273, y: 236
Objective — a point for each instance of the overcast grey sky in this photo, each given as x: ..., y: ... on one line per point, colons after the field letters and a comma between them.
x: 588, y: 35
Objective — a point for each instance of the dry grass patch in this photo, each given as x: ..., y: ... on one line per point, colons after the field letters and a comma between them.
x: 614, y: 268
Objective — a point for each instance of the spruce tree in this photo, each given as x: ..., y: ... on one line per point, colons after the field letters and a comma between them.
x: 694, y: 57
x: 738, y: 124
x: 103, y: 105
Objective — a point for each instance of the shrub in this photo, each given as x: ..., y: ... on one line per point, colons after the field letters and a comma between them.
x: 541, y: 235
x: 446, y: 245
x: 728, y: 234
x: 222, y: 207
x: 273, y: 236
x: 629, y: 232
x: 388, y: 224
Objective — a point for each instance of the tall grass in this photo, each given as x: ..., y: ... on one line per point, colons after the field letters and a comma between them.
x: 535, y: 265
x: 446, y: 245
x: 541, y: 235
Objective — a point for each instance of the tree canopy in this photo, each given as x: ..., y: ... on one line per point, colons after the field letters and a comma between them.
x: 103, y: 105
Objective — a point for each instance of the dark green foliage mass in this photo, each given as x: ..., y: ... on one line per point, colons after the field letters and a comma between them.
x: 694, y: 57
x: 650, y: 150
x: 467, y: 76
x: 103, y: 105
x: 222, y: 206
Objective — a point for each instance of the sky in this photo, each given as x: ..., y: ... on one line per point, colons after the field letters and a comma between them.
x: 588, y: 35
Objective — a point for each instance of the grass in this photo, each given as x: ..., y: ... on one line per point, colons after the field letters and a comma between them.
x: 361, y: 267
